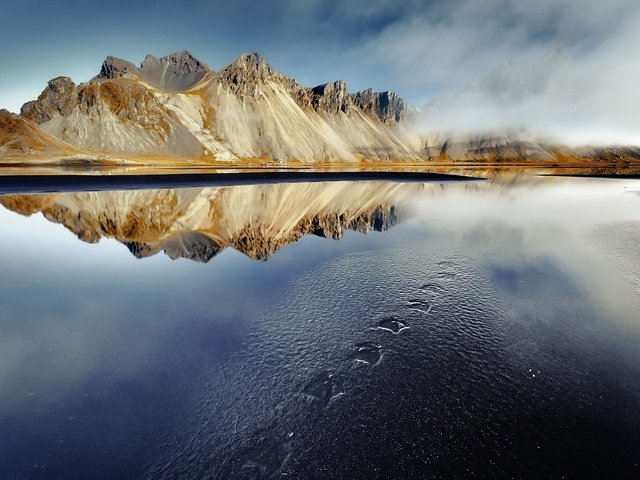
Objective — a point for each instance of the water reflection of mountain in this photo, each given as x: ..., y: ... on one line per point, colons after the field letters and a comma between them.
x: 198, y: 223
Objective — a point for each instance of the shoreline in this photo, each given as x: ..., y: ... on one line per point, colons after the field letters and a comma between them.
x: 41, y: 179
x: 20, y: 184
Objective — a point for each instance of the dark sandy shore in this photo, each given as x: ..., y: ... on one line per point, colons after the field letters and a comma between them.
x: 64, y: 183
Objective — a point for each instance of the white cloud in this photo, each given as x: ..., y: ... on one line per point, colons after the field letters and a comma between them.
x: 593, y: 99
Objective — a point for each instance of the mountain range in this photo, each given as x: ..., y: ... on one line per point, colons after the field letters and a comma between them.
x: 175, y: 109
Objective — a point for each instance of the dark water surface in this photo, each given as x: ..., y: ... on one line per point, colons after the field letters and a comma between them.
x: 473, y: 330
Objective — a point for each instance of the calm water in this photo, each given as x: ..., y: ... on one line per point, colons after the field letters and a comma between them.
x: 322, y: 331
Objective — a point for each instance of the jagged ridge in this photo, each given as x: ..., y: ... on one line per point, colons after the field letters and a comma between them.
x: 177, y: 106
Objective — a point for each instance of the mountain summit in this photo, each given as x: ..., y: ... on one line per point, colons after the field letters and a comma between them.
x: 177, y: 71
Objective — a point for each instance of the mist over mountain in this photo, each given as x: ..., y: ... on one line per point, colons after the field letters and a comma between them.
x: 552, y: 98
x: 562, y: 70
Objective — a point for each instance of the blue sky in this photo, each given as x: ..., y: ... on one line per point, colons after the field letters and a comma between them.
x: 420, y: 49
x: 304, y: 39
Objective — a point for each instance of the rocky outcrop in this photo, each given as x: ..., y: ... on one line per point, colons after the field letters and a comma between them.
x: 11, y: 123
x: 114, y: 67
x: 58, y: 98
x: 387, y: 106
x: 246, y: 72
x: 109, y: 115
x: 130, y: 102
x: 331, y: 98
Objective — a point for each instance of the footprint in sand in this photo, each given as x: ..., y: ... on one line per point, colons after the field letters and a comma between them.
x: 391, y: 324
x: 420, y: 305
x: 367, y: 353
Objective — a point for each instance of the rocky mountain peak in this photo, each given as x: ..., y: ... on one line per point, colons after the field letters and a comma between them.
x: 253, y: 62
x: 176, y: 71
x: 331, y: 97
x: 114, y: 67
x: 181, y: 63
x: 61, y: 85
x: 184, y: 62
x: 249, y: 70
x: 387, y: 106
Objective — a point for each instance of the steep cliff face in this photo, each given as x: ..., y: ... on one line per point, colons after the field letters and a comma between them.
x: 177, y: 106
x: 197, y: 224
x: 387, y: 106
x: 331, y: 98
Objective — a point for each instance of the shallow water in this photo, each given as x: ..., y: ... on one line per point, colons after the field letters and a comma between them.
x: 475, y: 330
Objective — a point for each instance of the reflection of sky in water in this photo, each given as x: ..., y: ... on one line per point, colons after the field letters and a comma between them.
x: 104, y: 356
